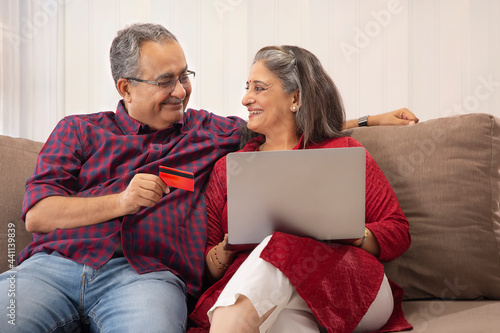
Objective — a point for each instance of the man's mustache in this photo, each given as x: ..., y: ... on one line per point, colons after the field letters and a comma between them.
x: 173, y: 100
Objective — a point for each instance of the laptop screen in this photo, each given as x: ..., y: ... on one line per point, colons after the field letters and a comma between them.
x: 319, y: 193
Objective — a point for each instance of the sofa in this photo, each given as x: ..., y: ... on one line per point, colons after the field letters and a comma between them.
x: 446, y: 174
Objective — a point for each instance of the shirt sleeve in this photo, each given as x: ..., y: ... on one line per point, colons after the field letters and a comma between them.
x: 226, y: 132
x: 57, y: 167
x: 216, y: 199
x: 383, y: 214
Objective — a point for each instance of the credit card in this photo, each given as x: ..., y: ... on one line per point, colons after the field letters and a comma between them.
x: 177, y: 178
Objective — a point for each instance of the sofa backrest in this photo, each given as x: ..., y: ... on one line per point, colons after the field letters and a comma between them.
x: 445, y: 172
x: 446, y: 175
x: 17, y: 162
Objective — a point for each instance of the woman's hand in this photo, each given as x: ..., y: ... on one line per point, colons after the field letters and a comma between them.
x: 218, y: 260
x: 368, y: 243
x: 226, y: 256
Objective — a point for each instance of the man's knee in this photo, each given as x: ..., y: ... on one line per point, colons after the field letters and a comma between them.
x: 151, y: 303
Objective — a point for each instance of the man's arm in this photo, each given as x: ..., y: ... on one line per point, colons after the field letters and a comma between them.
x: 60, y: 212
x: 398, y: 117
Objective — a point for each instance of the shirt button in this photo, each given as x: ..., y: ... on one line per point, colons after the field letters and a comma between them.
x: 156, y: 147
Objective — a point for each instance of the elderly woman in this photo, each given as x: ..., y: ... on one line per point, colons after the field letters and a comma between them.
x: 294, y: 104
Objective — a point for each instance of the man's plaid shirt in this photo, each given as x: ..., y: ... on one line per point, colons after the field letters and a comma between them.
x: 98, y: 154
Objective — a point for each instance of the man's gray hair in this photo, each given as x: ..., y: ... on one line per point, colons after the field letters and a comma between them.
x: 125, y: 51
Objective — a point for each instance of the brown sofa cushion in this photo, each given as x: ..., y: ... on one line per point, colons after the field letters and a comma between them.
x: 446, y: 175
x: 17, y: 162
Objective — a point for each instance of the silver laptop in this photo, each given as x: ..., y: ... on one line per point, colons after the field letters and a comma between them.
x: 319, y: 193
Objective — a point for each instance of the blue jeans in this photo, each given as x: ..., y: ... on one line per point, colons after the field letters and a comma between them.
x: 49, y: 293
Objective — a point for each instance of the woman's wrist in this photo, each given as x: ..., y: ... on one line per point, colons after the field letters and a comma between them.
x: 221, y: 260
x: 361, y: 241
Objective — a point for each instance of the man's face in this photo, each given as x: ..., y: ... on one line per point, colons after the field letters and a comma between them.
x: 148, y: 103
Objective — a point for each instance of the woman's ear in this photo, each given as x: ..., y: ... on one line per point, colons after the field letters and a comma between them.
x: 123, y: 86
x: 295, y: 101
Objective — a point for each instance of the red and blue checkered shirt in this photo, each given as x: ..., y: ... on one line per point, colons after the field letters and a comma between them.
x: 98, y: 154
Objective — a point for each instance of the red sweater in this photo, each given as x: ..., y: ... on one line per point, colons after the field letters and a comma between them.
x: 338, y: 282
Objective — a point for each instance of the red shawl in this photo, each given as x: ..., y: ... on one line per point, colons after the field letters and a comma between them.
x: 338, y: 282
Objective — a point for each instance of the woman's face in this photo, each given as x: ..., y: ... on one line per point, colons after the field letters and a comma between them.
x: 269, y: 108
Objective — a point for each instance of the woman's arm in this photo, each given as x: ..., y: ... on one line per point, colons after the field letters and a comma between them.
x: 217, y: 259
x: 387, y: 225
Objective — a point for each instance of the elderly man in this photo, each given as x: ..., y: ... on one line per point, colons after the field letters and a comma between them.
x: 114, y: 249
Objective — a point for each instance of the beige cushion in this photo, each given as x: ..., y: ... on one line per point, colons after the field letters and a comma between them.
x: 17, y: 162
x: 445, y: 173
x: 439, y: 316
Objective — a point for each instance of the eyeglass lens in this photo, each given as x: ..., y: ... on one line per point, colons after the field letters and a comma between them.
x: 169, y: 86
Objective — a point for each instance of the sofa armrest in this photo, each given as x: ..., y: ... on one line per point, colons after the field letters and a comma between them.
x: 17, y: 162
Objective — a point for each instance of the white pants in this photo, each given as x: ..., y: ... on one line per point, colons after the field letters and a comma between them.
x: 267, y: 288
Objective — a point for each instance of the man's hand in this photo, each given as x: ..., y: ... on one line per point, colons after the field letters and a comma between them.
x: 144, y: 190
x: 398, y: 117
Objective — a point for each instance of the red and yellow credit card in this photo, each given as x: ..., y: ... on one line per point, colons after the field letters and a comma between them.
x: 177, y: 178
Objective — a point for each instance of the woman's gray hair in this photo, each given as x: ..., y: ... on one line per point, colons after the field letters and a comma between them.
x: 125, y: 51
x: 283, y: 64
x: 321, y: 111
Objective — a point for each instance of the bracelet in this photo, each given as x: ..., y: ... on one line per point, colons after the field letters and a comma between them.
x: 221, y: 266
x: 364, y: 238
x: 218, y: 267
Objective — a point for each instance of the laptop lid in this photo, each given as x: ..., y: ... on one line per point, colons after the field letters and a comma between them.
x: 319, y: 193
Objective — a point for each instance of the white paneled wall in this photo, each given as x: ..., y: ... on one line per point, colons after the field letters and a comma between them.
x: 436, y: 57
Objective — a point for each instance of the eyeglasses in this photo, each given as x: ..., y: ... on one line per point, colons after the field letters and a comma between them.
x: 168, y: 86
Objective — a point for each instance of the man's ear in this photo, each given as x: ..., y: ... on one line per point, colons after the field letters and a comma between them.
x: 123, y: 86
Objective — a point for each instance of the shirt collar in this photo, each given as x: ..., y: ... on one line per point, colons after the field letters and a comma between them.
x: 130, y: 126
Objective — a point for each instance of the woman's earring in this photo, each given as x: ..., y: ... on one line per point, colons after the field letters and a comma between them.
x: 294, y: 108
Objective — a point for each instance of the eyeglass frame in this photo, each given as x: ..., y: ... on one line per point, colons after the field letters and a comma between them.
x: 166, y: 82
